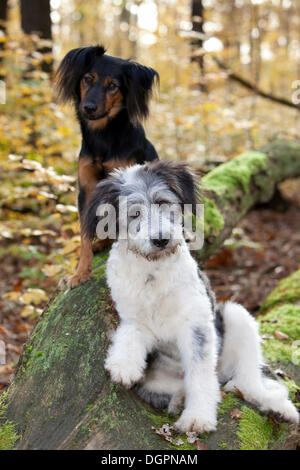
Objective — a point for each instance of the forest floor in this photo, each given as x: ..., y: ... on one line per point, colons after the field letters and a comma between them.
x: 264, y: 248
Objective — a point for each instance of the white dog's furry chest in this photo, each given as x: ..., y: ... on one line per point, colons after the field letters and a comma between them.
x: 153, y: 293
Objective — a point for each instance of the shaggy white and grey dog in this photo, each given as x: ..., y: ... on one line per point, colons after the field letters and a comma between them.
x: 173, y: 342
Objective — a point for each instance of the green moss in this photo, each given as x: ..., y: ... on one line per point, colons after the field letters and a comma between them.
x: 8, y: 435
x: 284, y: 318
x: 223, y: 444
x: 255, y: 431
x: 293, y: 388
x: 236, y: 174
x: 288, y: 290
x: 230, y: 402
x: 213, y: 219
x: 98, y: 270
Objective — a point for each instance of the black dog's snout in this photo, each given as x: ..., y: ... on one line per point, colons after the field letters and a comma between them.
x: 160, y: 242
x: 90, y: 107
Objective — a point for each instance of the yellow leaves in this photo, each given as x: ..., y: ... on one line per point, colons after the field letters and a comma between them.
x: 74, y: 226
x: 64, y: 131
x: 33, y: 296
x: 44, y: 195
x: 28, y: 232
x: 210, y: 106
x: 13, y: 296
x: 15, y: 158
x: 30, y: 165
x: 71, y: 245
x: 5, y: 232
x: 51, y: 270
x: 65, y: 208
x: 30, y: 311
x: 30, y: 298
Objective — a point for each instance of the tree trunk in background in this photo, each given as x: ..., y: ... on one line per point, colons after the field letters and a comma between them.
x: 3, y: 19
x: 233, y: 188
x: 35, y: 18
x: 62, y: 398
x: 3, y: 13
x: 197, y: 16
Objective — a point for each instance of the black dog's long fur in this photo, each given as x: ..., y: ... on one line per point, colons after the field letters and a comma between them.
x: 124, y: 136
x: 111, y: 97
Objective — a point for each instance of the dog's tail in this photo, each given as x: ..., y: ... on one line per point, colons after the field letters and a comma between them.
x: 243, y: 367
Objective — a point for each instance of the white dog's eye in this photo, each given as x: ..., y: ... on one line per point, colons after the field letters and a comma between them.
x: 137, y: 214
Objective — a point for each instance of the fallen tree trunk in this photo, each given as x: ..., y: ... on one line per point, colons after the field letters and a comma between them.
x: 232, y: 189
x: 62, y: 398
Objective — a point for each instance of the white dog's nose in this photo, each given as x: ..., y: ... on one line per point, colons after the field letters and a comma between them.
x: 160, y: 242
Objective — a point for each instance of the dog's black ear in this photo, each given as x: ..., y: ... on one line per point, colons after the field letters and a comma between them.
x: 106, y: 192
x: 73, y: 66
x: 180, y: 179
x: 139, y: 81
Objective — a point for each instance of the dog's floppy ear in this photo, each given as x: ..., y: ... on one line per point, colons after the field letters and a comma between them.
x: 106, y: 192
x: 180, y: 179
x: 73, y: 66
x: 139, y: 81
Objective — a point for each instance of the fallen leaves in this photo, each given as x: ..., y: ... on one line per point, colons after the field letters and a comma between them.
x: 33, y: 296
x: 166, y: 430
x: 236, y: 414
x: 239, y: 393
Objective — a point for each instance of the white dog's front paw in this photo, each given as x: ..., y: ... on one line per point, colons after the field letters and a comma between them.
x: 191, y: 421
x: 123, y: 372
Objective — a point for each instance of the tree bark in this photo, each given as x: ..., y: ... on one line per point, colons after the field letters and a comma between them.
x: 3, y: 13
x: 197, y: 17
x: 62, y: 398
x: 3, y: 20
x: 35, y: 19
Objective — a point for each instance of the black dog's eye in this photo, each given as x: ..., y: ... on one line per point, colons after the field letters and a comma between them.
x: 112, y: 86
x: 88, y: 79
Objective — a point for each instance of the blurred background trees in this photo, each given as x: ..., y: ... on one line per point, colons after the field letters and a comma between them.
x: 200, y: 115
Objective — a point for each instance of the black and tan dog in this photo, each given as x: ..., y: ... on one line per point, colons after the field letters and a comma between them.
x: 111, y: 98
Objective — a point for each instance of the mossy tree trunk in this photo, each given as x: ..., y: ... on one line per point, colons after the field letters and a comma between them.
x: 61, y: 397
x: 232, y: 189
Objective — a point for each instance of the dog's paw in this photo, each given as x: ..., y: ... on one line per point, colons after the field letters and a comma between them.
x: 78, y: 278
x: 122, y: 372
x: 189, y: 421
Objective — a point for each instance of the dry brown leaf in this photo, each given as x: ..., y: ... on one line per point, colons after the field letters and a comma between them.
x: 239, y: 393
x: 279, y: 335
x: 236, y: 414
x: 201, y: 446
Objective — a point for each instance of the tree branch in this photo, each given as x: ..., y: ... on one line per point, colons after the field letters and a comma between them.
x: 250, y: 86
